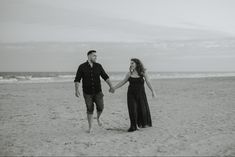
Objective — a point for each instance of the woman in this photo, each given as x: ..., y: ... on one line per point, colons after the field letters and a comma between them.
x: 136, y: 98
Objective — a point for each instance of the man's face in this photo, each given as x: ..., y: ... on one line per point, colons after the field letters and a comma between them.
x: 92, y: 57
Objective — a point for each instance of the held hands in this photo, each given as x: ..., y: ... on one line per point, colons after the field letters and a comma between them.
x: 111, y: 90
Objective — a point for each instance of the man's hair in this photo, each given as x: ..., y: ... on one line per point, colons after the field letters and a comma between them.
x: 90, y: 52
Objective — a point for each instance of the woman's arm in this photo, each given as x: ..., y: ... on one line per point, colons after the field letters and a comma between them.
x: 124, y: 81
x: 147, y: 80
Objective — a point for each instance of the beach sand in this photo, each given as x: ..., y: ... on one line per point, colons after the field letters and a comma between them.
x: 193, y: 117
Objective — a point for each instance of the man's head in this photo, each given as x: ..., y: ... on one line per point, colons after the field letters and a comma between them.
x: 92, y: 56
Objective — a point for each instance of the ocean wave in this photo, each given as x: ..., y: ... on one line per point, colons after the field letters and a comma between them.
x: 23, y: 78
x: 66, y: 76
x: 28, y: 79
x: 189, y: 75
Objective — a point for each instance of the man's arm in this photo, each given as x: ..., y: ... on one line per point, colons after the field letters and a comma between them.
x: 77, y: 92
x: 105, y: 76
x: 77, y: 81
x: 109, y: 83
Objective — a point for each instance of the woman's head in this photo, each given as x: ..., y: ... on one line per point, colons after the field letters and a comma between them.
x: 137, y: 65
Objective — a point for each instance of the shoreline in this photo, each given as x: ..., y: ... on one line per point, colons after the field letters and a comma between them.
x: 155, y: 79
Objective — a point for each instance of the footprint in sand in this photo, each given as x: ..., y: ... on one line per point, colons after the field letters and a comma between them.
x: 53, y: 115
x: 67, y: 143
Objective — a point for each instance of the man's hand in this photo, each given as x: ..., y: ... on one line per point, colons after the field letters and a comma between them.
x: 111, y: 90
x: 77, y: 94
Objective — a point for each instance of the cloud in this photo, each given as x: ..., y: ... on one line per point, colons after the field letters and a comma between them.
x: 30, y: 20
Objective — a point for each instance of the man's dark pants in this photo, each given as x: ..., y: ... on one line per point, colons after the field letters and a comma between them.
x: 91, y: 99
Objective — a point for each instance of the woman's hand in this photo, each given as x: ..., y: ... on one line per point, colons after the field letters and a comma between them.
x: 112, y: 90
x: 154, y: 95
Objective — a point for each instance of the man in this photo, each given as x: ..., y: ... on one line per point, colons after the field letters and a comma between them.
x: 90, y: 73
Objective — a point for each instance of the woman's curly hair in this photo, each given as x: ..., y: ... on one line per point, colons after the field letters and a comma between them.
x: 139, y: 66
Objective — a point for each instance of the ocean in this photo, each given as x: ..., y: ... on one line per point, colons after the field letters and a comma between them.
x: 47, y: 77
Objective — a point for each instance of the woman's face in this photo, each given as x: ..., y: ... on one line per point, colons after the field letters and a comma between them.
x: 132, y: 65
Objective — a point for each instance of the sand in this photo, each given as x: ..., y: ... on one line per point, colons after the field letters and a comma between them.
x: 193, y: 117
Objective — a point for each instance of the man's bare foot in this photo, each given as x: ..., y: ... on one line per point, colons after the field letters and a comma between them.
x: 89, y: 131
x: 99, y: 123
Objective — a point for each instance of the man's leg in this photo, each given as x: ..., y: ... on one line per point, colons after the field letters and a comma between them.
x: 99, y: 106
x: 90, y: 109
x: 98, y: 118
x: 90, y: 120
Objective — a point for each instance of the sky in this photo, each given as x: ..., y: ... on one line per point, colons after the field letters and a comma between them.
x: 128, y: 21
x: 113, y: 20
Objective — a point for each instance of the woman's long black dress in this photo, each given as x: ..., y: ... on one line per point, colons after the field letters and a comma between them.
x: 138, y: 104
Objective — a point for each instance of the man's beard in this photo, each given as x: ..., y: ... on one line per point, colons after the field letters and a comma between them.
x: 93, y: 61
